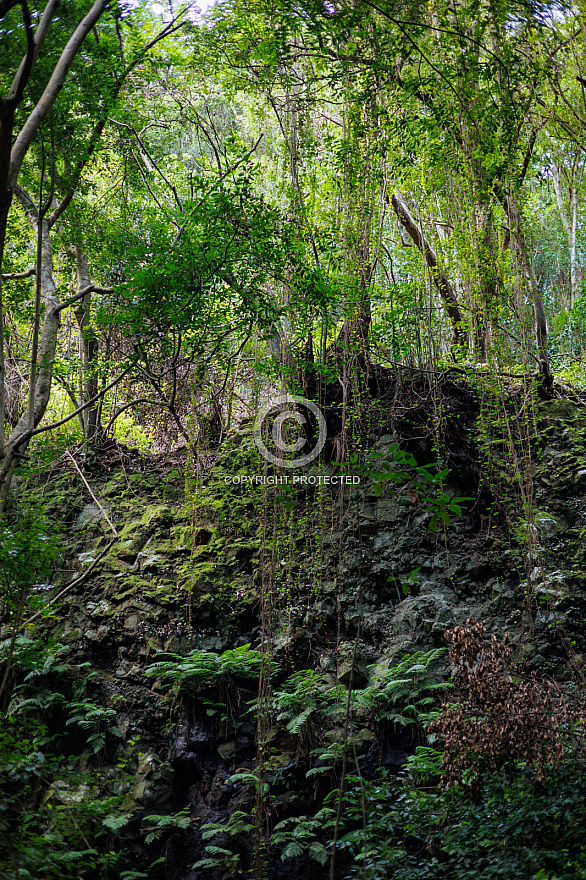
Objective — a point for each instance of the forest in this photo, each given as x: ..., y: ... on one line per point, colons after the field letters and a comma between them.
x: 292, y: 440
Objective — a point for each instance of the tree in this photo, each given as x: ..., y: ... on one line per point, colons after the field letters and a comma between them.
x: 461, y: 86
x: 76, y: 114
x: 12, y: 154
x: 565, y: 145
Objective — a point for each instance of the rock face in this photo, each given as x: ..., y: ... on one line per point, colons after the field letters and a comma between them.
x: 354, y: 580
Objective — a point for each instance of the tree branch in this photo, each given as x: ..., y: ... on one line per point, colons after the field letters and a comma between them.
x: 52, y: 89
x: 91, y: 288
x: 6, y: 6
x: 27, y: 203
x: 74, y: 583
x: 90, y: 490
x: 22, y: 74
x: 78, y: 410
x: 26, y: 65
x: 444, y: 287
x: 12, y: 276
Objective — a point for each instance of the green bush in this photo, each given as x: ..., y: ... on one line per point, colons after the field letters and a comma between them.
x: 60, y: 817
x: 518, y: 829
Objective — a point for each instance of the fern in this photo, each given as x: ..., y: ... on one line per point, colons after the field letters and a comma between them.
x: 298, y: 835
x: 42, y: 700
x: 204, y: 667
x: 318, y: 852
x: 292, y: 850
x: 425, y: 763
x: 246, y: 777
x: 296, y: 723
x: 329, y: 755
x: 238, y: 823
x: 302, y: 697
x: 155, y: 825
x: 218, y: 856
x: 115, y: 823
x: 90, y: 716
x: 403, y: 693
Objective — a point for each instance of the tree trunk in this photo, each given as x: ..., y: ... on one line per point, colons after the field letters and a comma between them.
x: 6, y: 127
x: 569, y: 223
x: 573, y: 227
x: 12, y: 154
x: 484, y: 302
x: 88, y: 351
x: 445, y: 289
x: 538, y: 308
x: 42, y: 371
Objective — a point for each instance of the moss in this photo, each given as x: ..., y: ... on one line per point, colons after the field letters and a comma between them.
x: 157, y: 516
x: 111, y: 562
x: 73, y: 636
x: 562, y: 411
x: 168, y: 593
x: 115, y: 485
x: 243, y: 549
x: 171, y: 487
x: 212, y: 550
x: 124, y: 588
x: 135, y: 533
x: 191, y: 572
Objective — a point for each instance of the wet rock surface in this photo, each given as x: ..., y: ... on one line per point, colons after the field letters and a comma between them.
x: 359, y: 579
